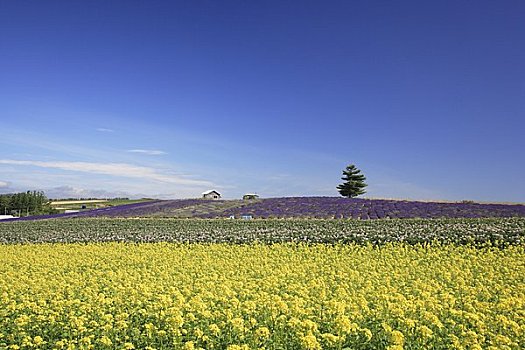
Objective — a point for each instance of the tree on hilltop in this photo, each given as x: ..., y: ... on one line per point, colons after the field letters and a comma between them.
x: 354, y: 182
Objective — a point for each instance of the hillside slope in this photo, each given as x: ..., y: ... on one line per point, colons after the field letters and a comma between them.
x: 305, y: 207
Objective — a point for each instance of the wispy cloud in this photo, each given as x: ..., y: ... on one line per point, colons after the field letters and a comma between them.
x: 149, y: 152
x: 113, y: 169
x: 105, y: 130
x: 4, y: 184
x: 76, y: 192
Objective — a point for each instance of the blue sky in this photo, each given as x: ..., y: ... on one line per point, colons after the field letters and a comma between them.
x: 168, y: 98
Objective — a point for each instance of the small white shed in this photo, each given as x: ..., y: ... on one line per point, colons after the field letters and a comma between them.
x: 211, y: 194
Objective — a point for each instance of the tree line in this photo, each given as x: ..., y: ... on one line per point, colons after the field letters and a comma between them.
x: 24, y: 203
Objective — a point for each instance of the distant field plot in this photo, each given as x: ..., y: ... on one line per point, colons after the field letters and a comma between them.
x: 498, y: 231
x: 93, y: 203
x: 282, y: 296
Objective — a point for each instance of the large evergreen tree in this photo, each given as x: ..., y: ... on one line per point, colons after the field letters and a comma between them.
x: 354, y: 182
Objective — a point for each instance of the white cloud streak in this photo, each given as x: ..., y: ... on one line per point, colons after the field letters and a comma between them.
x: 105, y: 130
x: 113, y: 169
x: 4, y: 184
x: 149, y: 152
x: 76, y: 192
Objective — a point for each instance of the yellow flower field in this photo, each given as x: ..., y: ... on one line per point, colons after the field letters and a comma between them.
x: 283, y: 296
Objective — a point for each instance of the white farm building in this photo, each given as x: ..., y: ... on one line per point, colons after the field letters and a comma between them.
x: 211, y: 194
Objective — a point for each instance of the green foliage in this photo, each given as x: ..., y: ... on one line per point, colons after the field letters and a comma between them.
x: 24, y: 203
x: 354, y: 182
x: 476, y: 232
x: 250, y: 197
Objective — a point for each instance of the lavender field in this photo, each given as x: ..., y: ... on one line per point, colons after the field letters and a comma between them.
x: 356, y: 208
x: 302, y: 207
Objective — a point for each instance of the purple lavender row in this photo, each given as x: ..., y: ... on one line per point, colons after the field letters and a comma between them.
x: 115, y: 211
x: 311, y: 207
x: 90, y: 213
x: 156, y: 208
x: 357, y: 208
x: 142, y: 209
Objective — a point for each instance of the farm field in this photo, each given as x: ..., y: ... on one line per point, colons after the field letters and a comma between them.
x: 262, y: 175
x: 167, y: 283
x: 93, y: 203
x: 300, y: 207
x: 157, y: 283
x: 497, y: 231
x: 281, y: 296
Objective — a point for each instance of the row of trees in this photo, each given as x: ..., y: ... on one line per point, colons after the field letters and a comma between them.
x: 24, y: 203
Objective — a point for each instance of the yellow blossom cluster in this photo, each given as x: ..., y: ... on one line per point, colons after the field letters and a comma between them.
x: 282, y: 296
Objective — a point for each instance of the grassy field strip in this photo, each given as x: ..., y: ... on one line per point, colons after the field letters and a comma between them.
x: 497, y: 231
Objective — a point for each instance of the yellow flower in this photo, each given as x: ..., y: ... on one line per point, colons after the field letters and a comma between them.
x: 238, y: 324
x: 262, y: 333
x: 22, y: 320
x: 60, y: 344
x: 118, y: 295
x: 425, y: 331
x: 397, y: 337
x: 26, y: 342
x: 410, y: 323
x: 237, y: 347
x: 38, y: 340
x: 330, y: 339
x: 104, y: 340
x: 309, y: 326
x: 189, y: 345
x: 310, y: 342
x: 198, y: 333
x: 214, y: 329
x: 344, y: 325
x: 386, y: 327
x: 368, y: 333
x: 394, y: 347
